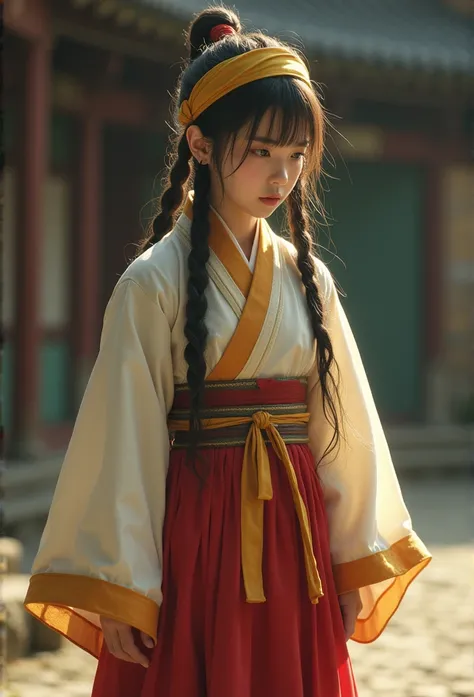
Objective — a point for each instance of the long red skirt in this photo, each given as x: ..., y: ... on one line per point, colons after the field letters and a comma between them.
x: 211, y: 642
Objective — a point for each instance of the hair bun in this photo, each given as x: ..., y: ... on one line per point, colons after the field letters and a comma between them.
x: 210, y: 26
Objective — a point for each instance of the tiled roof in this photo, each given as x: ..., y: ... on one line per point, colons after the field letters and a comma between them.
x: 424, y: 34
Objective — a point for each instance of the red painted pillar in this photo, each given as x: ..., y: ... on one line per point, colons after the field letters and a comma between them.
x: 33, y: 171
x: 88, y: 249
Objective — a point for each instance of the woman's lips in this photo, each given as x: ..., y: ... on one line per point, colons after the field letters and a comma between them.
x: 270, y: 200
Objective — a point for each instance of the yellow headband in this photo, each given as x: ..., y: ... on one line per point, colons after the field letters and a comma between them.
x: 238, y: 71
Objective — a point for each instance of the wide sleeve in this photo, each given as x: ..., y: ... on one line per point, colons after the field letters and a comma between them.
x: 373, y: 545
x: 101, y: 550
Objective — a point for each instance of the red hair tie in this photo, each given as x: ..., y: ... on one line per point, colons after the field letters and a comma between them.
x: 219, y: 31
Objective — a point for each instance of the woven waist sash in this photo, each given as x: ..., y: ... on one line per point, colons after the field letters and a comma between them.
x: 239, y: 420
x: 246, y: 426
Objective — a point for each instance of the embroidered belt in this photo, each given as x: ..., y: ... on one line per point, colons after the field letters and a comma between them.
x: 281, y: 423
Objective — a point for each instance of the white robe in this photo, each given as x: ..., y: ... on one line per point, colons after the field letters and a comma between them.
x: 101, y: 551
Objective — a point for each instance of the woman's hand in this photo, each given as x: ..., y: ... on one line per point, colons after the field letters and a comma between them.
x: 121, y: 644
x: 351, y: 605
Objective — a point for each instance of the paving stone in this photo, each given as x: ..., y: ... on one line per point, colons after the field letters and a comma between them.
x: 384, y: 684
x: 47, y: 659
x: 78, y: 689
x: 431, y: 691
x: 463, y: 688
x: 457, y: 669
x: 26, y: 670
x: 48, y: 677
x: 30, y: 690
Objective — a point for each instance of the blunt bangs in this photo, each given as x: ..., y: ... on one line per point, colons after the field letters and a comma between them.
x: 296, y: 116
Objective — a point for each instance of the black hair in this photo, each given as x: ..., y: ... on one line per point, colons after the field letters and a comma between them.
x: 299, y: 115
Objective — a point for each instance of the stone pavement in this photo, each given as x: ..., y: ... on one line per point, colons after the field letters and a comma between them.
x: 427, y: 650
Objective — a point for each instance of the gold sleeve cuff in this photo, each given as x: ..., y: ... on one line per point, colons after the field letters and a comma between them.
x: 54, y: 599
x: 399, y: 565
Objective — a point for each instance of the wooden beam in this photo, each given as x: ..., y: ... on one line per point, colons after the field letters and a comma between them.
x: 154, y: 50
x: 414, y: 147
x: 106, y: 8
x: 122, y: 107
x: 372, y: 142
x: 133, y: 30
x: 29, y: 19
x: 111, y: 106
x: 391, y: 84
x: 462, y: 6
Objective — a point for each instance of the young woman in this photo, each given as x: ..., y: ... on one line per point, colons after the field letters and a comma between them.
x: 228, y: 515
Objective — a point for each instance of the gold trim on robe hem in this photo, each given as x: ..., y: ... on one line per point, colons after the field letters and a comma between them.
x: 402, y: 562
x: 52, y: 597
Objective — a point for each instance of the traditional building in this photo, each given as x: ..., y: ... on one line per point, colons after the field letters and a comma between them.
x: 86, y: 90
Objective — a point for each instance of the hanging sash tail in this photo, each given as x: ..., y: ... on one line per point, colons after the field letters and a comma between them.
x: 225, y: 426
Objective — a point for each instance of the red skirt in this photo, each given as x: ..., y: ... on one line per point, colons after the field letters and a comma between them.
x: 211, y: 642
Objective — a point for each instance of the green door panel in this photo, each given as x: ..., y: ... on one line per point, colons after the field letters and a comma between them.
x: 63, y: 140
x: 55, y: 403
x: 376, y: 211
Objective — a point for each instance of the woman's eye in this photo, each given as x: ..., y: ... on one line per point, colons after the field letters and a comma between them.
x: 261, y: 152
x: 298, y: 155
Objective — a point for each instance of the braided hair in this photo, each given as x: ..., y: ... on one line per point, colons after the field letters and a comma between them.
x: 296, y: 108
x: 301, y: 237
x: 195, y: 329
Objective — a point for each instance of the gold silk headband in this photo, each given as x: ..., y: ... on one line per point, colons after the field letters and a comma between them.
x: 238, y: 71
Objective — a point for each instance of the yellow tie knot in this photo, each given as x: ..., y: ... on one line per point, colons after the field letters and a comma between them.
x: 185, y: 113
x: 261, y: 420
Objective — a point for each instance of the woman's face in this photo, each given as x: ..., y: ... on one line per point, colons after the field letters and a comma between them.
x: 266, y: 176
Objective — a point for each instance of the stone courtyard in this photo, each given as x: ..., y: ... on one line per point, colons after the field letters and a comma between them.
x: 428, y: 648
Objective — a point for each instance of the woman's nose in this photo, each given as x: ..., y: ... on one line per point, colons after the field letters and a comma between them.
x: 280, y: 175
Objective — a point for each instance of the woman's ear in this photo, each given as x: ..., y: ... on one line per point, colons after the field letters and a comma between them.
x: 200, y: 147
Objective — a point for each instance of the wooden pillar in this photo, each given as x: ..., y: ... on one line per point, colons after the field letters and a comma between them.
x: 33, y: 172
x: 88, y: 249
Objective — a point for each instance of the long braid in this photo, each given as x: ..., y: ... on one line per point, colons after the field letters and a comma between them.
x: 172, y: 196
x: 195, y: 328
x: 302, y: 239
